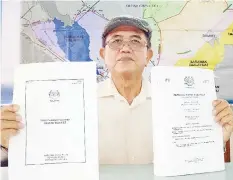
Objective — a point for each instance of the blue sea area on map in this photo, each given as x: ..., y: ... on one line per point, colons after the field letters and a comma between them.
x: 6, y: 94
x: 73, y: 40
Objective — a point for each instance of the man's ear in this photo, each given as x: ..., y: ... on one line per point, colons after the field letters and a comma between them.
x: 102, y: 53
x: 149, y: 55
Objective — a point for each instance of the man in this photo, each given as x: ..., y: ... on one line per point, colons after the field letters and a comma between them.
x: 124, y: 100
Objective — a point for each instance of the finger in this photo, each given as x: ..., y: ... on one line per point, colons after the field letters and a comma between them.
x: 12, y: 108
x: 6, y: 135
x: 228, y: 129
x: 220, y: 107
x: 230, y: 109
x: 226, y: 119
x: 216, y: 102
x: 222, y: 114
x: 9, y: 132
x: 10, y: 116
x: 11, y: 125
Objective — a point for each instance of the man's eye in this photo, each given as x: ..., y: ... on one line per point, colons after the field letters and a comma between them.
x: 135, y: 41
x: 117, y: 41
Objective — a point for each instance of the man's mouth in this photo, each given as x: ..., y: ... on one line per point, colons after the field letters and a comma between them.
x: 125, y: 59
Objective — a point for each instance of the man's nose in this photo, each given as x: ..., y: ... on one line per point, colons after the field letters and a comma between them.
x: 126, y: 48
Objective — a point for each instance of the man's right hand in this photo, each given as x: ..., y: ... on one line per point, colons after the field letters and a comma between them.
x: 10, y: 123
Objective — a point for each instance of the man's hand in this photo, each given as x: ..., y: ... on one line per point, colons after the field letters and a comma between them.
x: 10, y: 123
x: 224, y: 116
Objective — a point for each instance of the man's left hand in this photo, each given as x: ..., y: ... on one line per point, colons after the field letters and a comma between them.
x: 224, y: 116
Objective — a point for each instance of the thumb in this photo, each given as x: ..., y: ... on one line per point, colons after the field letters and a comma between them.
x: 11, y: 108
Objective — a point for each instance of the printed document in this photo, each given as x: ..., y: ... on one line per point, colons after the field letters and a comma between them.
x: 59, y: 109
x: 187, y: 140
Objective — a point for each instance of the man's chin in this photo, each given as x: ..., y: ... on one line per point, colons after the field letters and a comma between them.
x: 126, y: 69
x: 126, y: 74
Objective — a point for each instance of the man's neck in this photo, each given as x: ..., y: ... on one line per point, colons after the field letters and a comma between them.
x: 129, y: 88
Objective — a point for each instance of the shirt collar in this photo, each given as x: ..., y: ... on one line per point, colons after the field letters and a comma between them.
x: 107, y: 88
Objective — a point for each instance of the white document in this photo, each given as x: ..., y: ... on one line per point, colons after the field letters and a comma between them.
x: 187, y: 140
x: 58, y: 104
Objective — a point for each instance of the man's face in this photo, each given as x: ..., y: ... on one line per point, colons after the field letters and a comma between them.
x: 129, y: 57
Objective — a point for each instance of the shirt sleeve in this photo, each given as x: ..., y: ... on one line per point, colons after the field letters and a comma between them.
x: 4, y: 155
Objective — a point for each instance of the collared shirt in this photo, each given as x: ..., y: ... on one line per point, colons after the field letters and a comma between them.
x: 125, y: 131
